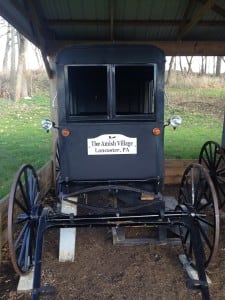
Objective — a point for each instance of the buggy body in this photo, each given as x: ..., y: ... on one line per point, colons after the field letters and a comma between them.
x: 110, y: 116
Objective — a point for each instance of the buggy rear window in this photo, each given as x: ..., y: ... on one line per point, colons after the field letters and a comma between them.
x: 134, y: 90
x: 111, y: 92
x: 87, y: 90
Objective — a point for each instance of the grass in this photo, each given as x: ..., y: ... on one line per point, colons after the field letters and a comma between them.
x: 186, y: 141
x: 202, y: 111
x: 22, y: 140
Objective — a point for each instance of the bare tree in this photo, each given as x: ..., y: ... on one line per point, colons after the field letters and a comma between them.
x: 169, y: 70
x: 5, y: 63
x: 181, y: 67
x: 204, y: 65
x: 20, y: 78
x: 218, y: 65
x: 13, y: 62
x: 189, y: 63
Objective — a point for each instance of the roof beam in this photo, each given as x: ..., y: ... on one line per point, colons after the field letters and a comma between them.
x: 186, y: 48
x: 196, y: 18
x: 38, y: 32
x: 216, y: 8
x: 124, y: 23
x: 185, y: 20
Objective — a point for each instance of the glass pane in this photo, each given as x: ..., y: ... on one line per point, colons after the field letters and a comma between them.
x: 134, y: 90
x: 87, y: 90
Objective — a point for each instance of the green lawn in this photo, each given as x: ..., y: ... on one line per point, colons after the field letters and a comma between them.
x: 186, y: 141
x: 202, y: 111
x: 22, y: 140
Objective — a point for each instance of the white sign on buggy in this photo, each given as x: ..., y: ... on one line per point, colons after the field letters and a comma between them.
x: 112, y: 144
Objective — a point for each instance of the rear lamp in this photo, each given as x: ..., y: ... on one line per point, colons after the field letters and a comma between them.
x: 156, y: 131
x: 65, y: 132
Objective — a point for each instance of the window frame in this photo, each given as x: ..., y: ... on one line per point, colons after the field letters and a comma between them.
x: 111, y: 96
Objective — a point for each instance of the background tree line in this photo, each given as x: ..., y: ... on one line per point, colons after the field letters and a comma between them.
x: 14, y: 71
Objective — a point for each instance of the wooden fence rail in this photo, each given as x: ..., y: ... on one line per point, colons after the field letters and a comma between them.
x: 173, y: 171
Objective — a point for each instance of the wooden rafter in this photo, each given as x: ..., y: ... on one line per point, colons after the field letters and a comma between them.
x: 216, y: 8
x: 171, y: 48
x: 38, y: 32
x: 196, y: 18
x: 124, y: 23
x: 186, y: 16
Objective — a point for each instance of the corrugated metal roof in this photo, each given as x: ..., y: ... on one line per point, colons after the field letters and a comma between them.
x: 58, y: 22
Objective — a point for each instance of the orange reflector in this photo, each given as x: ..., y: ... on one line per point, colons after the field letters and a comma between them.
x: 156, y: 131
x: 65, y: 132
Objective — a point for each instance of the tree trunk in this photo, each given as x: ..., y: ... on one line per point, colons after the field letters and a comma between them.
x: 5, y: 64
x: 21, y: 67
x: 181, y: 67
x: 205, y: 70
x: 170, y: 68
x: 218, y: 65
x: 13, y: 63
x: 189, y: 62
x: 204, y: 65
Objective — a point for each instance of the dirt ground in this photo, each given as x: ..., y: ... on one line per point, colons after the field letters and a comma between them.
x: 106, y: 272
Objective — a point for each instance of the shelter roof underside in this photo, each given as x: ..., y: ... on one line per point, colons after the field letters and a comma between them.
x: 179, y: 27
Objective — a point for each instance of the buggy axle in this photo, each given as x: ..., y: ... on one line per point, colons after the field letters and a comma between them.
x: 167, y: 218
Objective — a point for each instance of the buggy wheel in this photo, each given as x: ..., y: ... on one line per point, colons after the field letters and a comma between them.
x: 212, y: 158
x: 23, y: 212
x: 56, y: 168
x: 198, y: 196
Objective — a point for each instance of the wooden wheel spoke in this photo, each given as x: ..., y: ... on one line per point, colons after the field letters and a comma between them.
x: 214, y: 154
x: 221, y: 172
x: 25, y: 196
x: 34, y: 190
x: 203, y: 207
x: 219, y: 188
x: 20, y: 221
x: 197, y: 188
x: 218, y: 162
x: 205, y: 237
x: 208, y: 157
x: 21, y: 206
x: 212, y: 225
x: 23, y: 248
x: 26, y: 184
x: 16, y: 244
x: 27, y: 248
x: 206, y: 162
x: 211, y: 153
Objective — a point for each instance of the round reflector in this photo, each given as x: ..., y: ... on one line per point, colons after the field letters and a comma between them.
x: 65, y: 132
x: 156, y: 131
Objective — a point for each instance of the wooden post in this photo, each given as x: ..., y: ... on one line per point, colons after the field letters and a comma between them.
x: 67, y: 240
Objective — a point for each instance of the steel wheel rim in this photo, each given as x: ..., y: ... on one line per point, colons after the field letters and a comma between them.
x: 22, y: 227
x: 201, y: 198
x: 212, y: 158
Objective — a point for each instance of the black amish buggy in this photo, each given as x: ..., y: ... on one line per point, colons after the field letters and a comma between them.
x: 110, y: 148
